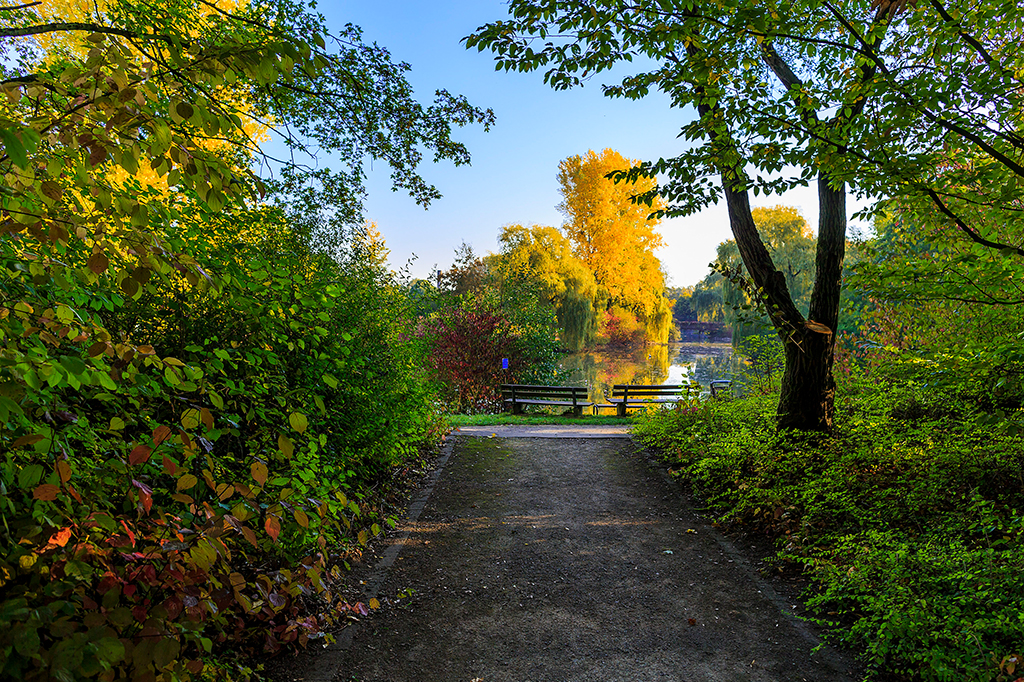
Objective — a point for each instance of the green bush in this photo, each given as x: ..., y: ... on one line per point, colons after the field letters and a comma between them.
x: 907, y: 519
x: 186, y: 466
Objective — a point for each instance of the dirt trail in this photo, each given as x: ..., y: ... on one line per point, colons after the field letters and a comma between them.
x: 572, y: 560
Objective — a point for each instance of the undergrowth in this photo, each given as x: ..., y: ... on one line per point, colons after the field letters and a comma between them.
x: 908, y: 519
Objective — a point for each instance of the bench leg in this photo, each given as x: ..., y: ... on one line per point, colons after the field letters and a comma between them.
x: 577, y: 411
x: 620, y: 409
x: 517, y: 408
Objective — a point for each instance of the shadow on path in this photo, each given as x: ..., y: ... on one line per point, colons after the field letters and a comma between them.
x: 539, y: 560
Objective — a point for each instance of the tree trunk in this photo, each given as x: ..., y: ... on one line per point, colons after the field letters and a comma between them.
x: 807, y: 400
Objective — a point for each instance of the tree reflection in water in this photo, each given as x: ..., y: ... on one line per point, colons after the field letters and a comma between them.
x: 675, y: 363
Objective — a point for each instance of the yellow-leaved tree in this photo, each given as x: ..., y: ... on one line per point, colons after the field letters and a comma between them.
x: 616, y: 238
x: 541, y: 257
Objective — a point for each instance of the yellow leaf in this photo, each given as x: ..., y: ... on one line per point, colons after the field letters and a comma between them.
x: 374, y: 604
x: 285, y: 446
x: 298, y: 421
x: 187, y: 481
x: 259, y: 473
x: 190, y: 418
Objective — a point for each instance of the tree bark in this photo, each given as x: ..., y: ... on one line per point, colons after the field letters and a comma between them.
x: 807, y: 400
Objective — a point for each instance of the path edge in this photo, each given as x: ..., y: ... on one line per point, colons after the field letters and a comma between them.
x: 328, y: 664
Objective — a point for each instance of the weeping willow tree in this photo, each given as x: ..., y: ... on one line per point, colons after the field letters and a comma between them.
x: 540, y: 259
x: 576, y: 317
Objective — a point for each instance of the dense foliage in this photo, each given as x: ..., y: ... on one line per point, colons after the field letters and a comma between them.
x: 200, y: 376
x: 908, y: 519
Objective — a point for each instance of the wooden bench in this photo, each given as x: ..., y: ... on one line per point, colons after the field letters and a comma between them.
x: 625, y: 396
x: 721, y: 388
x: 520, y: 395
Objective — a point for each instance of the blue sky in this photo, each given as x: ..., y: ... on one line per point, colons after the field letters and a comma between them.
x: 512, y: 178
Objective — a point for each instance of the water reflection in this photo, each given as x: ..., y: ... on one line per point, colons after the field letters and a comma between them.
x: 675, y: 363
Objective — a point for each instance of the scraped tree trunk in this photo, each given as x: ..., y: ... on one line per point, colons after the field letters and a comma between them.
x: 808, y: 384
x: 807, y: 399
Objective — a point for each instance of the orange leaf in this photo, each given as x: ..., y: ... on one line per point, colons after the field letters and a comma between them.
x: 160, y: 434
x: 259, y: 473
x: 206, y: 417
x: 61, y: 537
x: 64, y: 471
x: 140, y: 455
x: 169, y: 466
x: 225, y: 491
x: 817, y: 327
x: 249, y: 535
x: 46, y: 492
x: 74, y: 493
x: 273, y: 527
x: 146, y: 350
x: 98, y: 348
x: 131, y: 535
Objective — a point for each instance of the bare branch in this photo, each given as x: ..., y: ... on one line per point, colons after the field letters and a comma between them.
x: 15, y: 8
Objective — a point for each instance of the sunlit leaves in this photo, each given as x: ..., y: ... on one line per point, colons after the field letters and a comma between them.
x: 614, y: 235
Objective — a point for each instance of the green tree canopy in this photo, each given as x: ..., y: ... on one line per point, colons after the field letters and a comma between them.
x: 888, y: 97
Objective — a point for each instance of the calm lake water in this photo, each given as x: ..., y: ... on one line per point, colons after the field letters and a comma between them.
x: 675, y: 363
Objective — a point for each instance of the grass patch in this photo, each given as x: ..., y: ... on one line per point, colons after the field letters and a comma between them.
x: 526, y: 419
x: 909, y: 520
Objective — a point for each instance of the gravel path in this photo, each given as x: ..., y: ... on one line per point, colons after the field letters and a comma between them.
x: 570, y: 560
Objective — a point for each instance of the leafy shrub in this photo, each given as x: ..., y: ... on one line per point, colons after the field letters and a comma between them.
x: 906, y: 519
x: 181, y: 480
x: 466, y: 342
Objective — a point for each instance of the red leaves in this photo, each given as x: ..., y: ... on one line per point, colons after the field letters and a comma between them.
x: 140, y: 454
x: 145, y: 494
x: 160, y: 434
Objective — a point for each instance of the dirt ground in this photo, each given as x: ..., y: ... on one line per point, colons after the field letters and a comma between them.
x: 538, y: 560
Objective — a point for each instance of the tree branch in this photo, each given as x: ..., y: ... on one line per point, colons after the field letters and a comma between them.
x: 69, y: 26
x: 973, y: 234
x: 15, y: 8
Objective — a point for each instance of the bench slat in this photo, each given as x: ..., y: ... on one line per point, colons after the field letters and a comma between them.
x: 568, y: 403
x: 518, y: 395
x: 638, y: 395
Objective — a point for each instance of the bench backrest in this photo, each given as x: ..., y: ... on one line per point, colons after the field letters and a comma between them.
x: 650, y: 391
x: 529, y: 392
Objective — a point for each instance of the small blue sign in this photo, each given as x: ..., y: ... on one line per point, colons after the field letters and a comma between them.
x: 504, y: 363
